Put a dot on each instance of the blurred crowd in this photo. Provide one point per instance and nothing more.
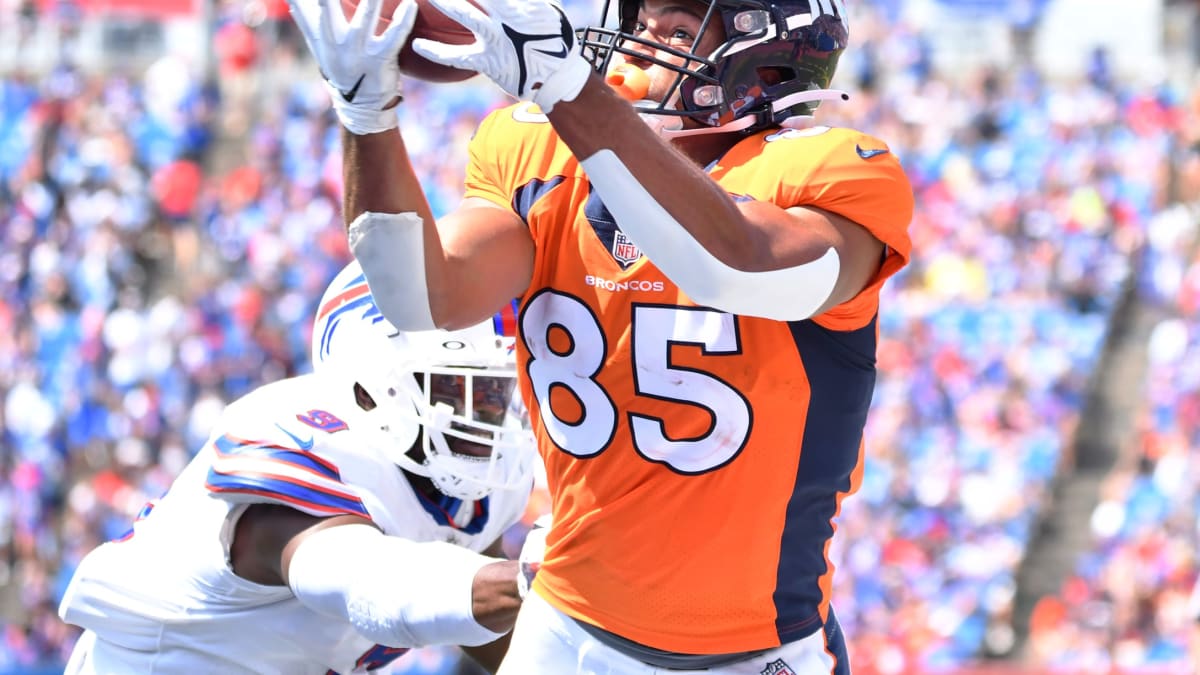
(1126, 603)
(1035, 200)
(97, 383)
(151, 274)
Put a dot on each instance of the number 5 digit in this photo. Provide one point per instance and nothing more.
(655, 329)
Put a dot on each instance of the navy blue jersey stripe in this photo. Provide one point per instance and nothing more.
(530, 193)
(840, 367)
(835, 644)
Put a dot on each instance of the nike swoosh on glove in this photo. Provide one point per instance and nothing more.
(361, 68)
(527, 47)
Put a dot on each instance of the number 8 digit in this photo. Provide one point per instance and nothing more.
(597, 421)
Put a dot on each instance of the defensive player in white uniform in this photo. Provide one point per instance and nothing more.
(293, 543)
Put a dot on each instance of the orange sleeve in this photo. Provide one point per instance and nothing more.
(485, 172)
(855, 180)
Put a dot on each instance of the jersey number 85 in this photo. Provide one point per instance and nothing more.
(655, 328)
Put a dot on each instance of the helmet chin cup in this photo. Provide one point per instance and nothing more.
(470, 477)
(452, 475)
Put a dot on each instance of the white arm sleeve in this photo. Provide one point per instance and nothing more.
(788, 294)
(395, 592)
(391, 249)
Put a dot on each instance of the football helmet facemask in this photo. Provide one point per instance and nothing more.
(773, 68)
(458, 386)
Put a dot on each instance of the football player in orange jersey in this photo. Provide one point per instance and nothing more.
(698, 275)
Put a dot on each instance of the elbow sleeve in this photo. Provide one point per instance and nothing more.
(394, 592)
(788, 294)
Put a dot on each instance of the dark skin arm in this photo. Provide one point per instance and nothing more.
(476, 258)
(267, 536)
(752, 236)
(479, 256)
(491, 654)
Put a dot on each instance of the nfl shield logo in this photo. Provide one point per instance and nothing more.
(624, 250)
(777, 667)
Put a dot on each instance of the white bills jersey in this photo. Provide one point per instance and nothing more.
(164, 598)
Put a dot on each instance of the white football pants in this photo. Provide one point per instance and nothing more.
(547, 641)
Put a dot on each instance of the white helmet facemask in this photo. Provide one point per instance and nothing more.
(475, 439)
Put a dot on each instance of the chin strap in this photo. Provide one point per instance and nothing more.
(657, 123)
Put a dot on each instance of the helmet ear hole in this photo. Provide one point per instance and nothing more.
(363, 398)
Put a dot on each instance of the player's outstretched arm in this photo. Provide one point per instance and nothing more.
(752, 258)
(363, 78)
(418, 278)
(760, 259)
(449, 273)
(453, 273)
(361, 68)
(394, 592)
(491, 654)
(532, 552)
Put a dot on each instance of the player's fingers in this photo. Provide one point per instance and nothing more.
(455, 56)
(300, 11)
(333, 21)
(306, 14)
(366, 16)
(397, 32)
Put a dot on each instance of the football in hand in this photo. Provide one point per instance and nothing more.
(430, 24)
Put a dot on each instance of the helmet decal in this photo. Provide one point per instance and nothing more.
(354, 296)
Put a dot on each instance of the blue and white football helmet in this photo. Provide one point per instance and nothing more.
(458, 386)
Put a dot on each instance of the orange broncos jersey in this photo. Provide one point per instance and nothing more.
(696, 459)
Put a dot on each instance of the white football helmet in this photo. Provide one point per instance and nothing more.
(459, 386)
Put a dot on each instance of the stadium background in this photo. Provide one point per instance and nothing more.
(169, 215)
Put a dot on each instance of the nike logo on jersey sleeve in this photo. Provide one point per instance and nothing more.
(303, 445)
(868, 154)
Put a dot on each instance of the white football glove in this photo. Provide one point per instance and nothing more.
(532, 552)
(361, 69)
(527, 47)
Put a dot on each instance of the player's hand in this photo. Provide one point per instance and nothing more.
(532, 552)
(527, 47)
(361, 68)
